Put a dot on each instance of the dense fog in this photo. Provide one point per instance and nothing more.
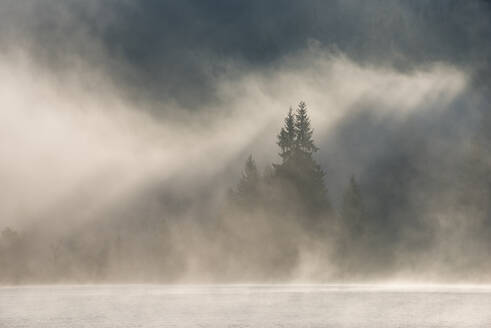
(150, 141)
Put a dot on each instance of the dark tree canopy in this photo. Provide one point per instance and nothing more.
(298, 181)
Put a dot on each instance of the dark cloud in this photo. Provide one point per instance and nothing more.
(177, 50)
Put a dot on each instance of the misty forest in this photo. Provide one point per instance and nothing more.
(245, 141)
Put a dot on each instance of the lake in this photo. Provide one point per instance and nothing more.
(236, 306)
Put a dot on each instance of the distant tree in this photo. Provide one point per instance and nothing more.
(353, 209)
(248, 187)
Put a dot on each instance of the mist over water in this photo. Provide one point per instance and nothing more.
(245, 306)
(124, 126)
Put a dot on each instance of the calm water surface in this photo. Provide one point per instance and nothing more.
(245, 306)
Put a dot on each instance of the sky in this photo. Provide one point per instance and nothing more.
(103, 101)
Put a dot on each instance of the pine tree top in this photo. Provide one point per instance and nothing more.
(304, 132)
(295, 136)
(287, 136)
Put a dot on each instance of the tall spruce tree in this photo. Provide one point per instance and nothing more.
(304, 132)
(298, 169)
